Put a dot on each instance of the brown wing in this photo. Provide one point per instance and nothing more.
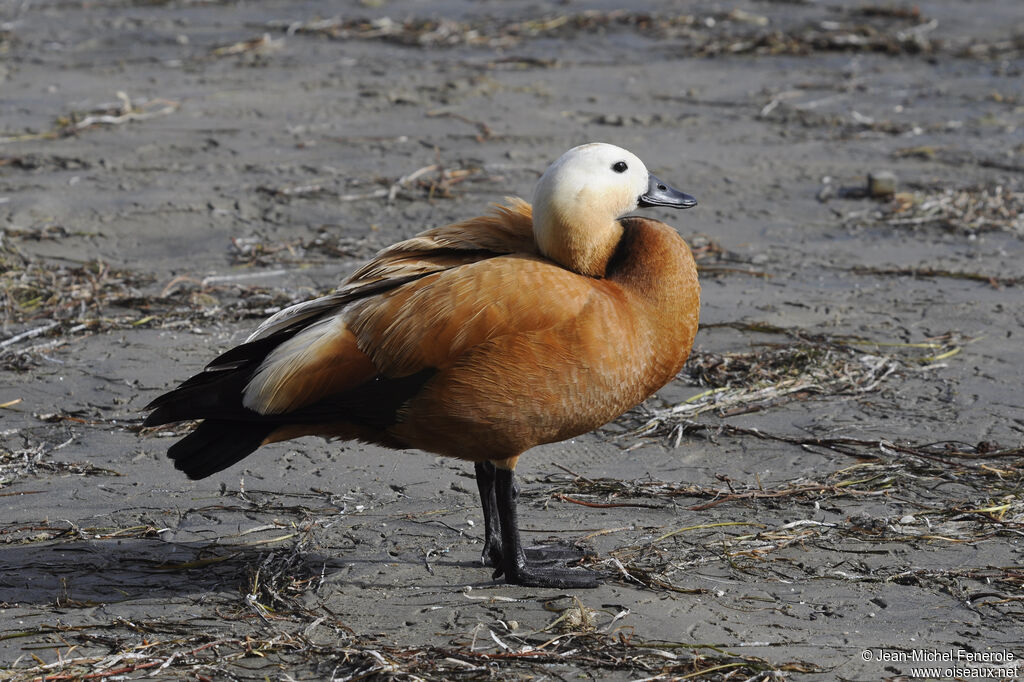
(432, 322)
(429, 323)
(508, 229)
(416, 305)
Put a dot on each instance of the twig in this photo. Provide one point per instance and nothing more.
(30, 334)
(217, 279)
(605, 505)
(571, 472)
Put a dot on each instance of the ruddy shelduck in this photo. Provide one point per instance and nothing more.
(477, 340)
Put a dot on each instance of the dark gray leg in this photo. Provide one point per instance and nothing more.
(491, 555)
(513, 560)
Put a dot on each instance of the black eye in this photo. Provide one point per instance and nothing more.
(620, 167)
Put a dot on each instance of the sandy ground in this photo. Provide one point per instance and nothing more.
(846, 499)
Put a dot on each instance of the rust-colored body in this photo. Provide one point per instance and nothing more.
(526, 351)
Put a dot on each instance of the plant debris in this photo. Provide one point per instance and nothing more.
(109, 114)
(734, 32)
(207, 656)
(811, 365)
(60, 302)
(434, 181)
(968, 211)
(35, 459)
(988, 477)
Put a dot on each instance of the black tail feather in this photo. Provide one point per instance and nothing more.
(250, 353)
(216, 392)
(230, 431)
(215, 445)
(217, 396)
(218, 387)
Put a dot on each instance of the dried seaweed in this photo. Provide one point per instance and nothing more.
(828, 36)
(989, 477)
(109, 114)
(658, 565)
(735, 32)
(492, 33)
(208, 656)
(969, 211)
(434, 181)
(842, 126)
(1000, 159)
(252, 47)
(33, 290)
(18, 463)
(255, 251)
(995, 281)
(59, 302)
(277, 621)
(811, 365)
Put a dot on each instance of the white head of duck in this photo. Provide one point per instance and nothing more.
(581, 196)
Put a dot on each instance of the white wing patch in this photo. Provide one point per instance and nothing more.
(268, 390)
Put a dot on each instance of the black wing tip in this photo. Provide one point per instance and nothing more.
(192, 474)
(157, 418)
(215, 445)
(154, 405)
(162, 411)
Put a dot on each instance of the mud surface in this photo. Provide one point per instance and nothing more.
(837, 471)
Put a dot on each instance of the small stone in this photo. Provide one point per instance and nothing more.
(611, 120)
(881, 184)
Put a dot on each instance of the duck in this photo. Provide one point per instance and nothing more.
(478, 340)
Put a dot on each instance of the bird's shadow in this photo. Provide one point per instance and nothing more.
(85, 572)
